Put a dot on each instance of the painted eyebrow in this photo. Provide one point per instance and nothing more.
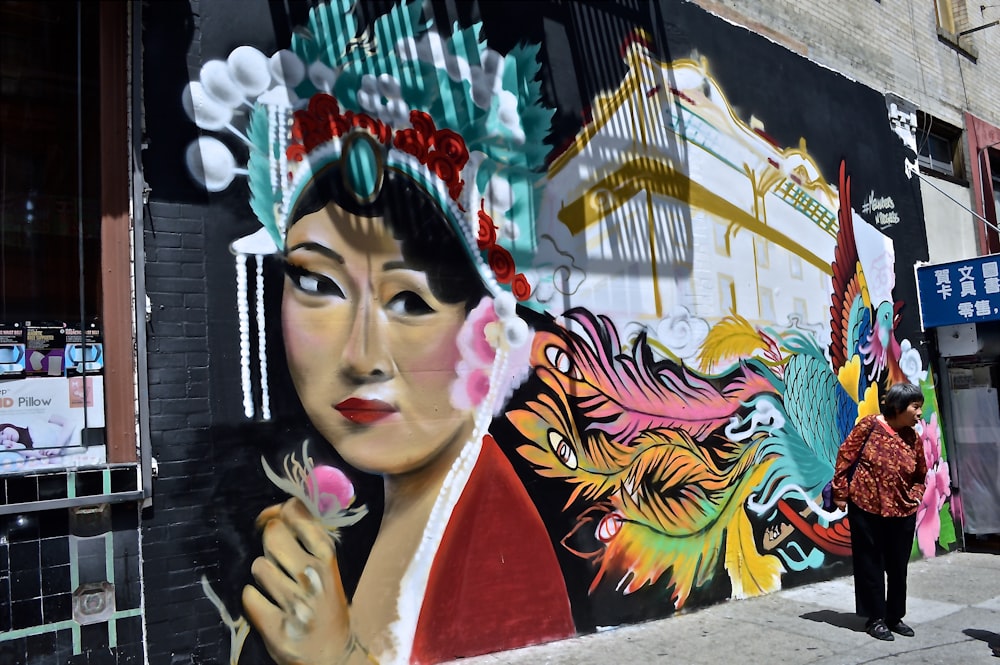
(396, 265)
(318, 248)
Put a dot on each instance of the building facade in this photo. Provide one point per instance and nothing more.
(334, 330)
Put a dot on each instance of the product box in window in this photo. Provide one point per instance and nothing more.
(51, 422)
(45, 347)
(84, 351)
(12, 360)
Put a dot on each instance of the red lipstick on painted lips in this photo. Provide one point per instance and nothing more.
(364, 411)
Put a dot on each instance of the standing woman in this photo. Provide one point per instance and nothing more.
(882, 497)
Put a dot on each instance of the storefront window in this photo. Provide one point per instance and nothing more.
(53, 161)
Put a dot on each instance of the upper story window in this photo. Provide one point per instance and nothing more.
(954, 26)
(939, 147)
(945, 16)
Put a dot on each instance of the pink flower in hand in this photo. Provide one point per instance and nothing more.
(330, 488)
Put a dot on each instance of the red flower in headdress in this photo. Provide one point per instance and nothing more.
(412, 142)
(520, 287)
(451, 145)
(423, 124)
(486, 236)
(501, 263)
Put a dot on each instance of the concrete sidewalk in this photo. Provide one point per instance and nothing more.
(953, 605)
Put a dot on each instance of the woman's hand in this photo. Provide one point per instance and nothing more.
(842, 505)
(304, 617)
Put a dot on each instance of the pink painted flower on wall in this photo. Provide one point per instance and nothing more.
(477, 356)
(937, 491)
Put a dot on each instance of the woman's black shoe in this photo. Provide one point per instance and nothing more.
(902, 629)
(880, 631)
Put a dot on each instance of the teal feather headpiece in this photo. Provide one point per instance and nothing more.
(400, 81)
(464, 122)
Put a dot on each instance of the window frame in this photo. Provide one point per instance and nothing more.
(931, 129)
(126, 474)
(116, 237)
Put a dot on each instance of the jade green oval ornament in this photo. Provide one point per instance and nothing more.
(362, 167)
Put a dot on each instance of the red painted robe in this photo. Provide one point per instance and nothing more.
(495, 583)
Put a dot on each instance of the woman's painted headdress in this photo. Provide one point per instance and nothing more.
(461, 120)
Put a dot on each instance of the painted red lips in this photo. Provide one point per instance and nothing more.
(365, 411)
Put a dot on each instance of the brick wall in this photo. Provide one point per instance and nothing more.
(179, 414)
(889, 45)
(175, 542)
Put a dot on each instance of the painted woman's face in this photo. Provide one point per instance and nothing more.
(372, 352)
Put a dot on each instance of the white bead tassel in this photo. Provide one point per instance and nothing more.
(265, 394)
(278, 129)
(243, 309)
(282, 122)
(272, 132)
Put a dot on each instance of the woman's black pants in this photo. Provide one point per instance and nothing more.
(880, 547)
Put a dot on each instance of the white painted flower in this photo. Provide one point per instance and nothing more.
(250, 70)
(322, 77)
(382, 98)
(910, 363)
(682, 333)
(508, 116)
(287, 68)
(499, 193)
(505, 306)
(218, 82)
(516, 331)
(509, 230)
(211, 163)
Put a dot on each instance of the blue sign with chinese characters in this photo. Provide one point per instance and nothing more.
(959, 292)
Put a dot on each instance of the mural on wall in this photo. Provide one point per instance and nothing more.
(669, 326)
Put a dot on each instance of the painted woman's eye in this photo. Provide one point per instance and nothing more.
(408, 302)
(312, 283)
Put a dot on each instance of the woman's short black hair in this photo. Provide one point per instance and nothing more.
(429, 242)
(899, 397)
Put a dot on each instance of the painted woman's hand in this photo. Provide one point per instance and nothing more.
(304, 616)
